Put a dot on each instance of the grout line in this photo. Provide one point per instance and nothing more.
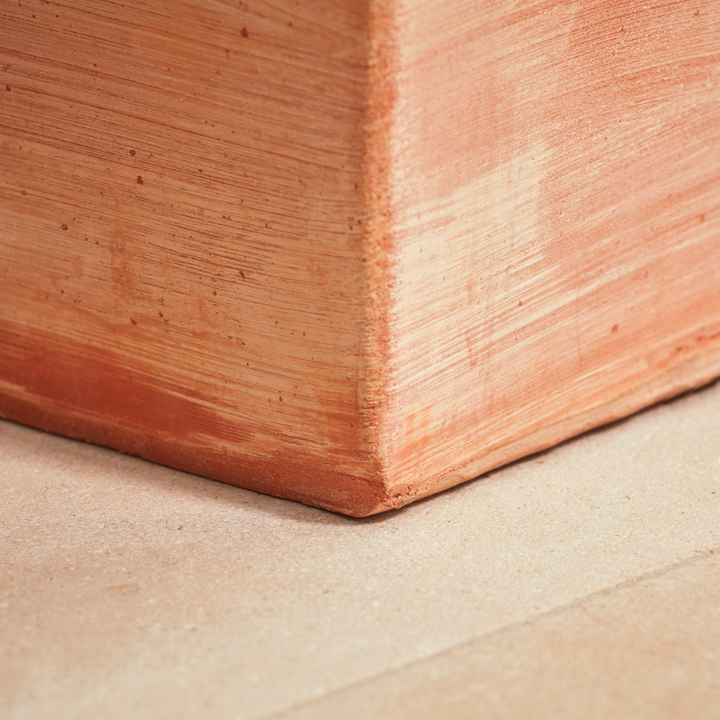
(619, 587)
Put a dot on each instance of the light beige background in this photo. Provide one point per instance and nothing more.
(580, 583)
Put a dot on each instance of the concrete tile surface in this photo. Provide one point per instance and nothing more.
(132, 590)
(649, 648)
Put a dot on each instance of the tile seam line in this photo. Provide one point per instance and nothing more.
(578, 602)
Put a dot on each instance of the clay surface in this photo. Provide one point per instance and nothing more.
(353, 253)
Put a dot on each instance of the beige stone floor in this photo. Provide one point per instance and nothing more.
(580, 583)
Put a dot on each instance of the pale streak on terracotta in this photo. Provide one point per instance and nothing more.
(353, 253)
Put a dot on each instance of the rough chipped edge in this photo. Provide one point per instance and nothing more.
(379, 240)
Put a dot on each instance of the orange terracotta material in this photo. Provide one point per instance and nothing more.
(354, 252)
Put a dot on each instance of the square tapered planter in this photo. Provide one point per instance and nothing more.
(353, 252)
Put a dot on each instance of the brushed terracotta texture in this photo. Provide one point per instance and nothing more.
(355, 252)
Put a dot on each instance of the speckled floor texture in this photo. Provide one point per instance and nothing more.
(580, 583)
